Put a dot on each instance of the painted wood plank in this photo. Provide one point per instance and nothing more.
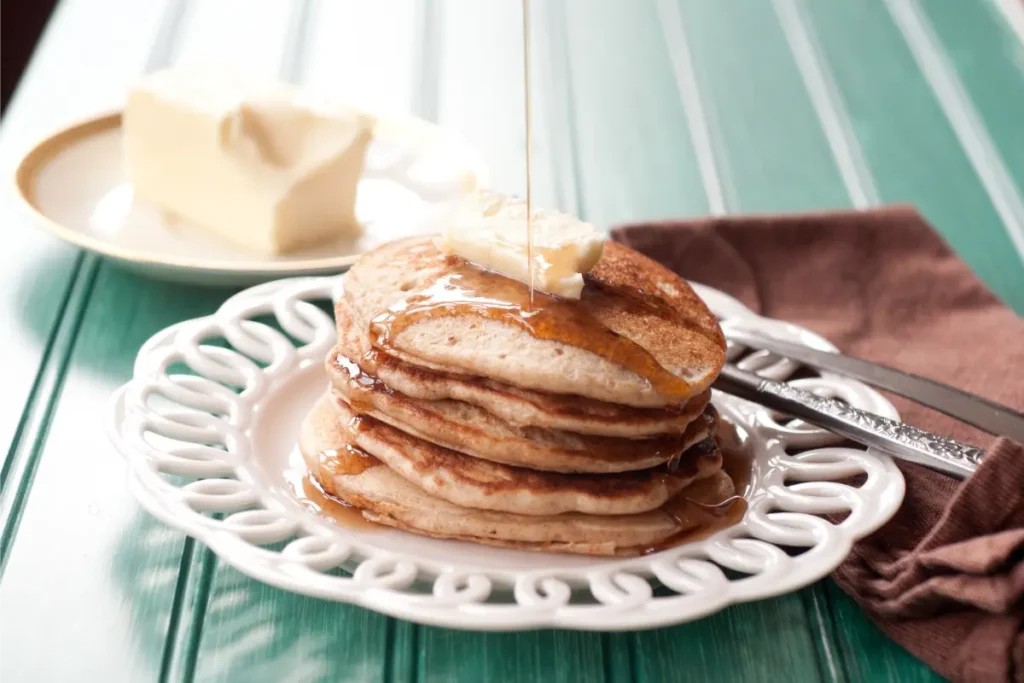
(933, 60)
(989, 60)
(480, 96)
(867, 653)
(37, 274)
(734, 54)
(113, 605)
(226, 626)
(732, 646)
(556, 656)
(88, 569)
(1012, 13)
(634, 158)
(771, 145)
(908, 144)
(64, 81)
(253, 632)
(363, 52)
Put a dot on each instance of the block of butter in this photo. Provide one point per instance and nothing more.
(261, 164)
(489, 230)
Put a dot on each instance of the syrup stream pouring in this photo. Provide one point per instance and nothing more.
(529, 144)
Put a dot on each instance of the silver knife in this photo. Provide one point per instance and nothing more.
(975, 410)
(891, 436)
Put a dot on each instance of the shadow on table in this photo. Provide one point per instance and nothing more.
(122, 310)
(246, 631)
(243, 628)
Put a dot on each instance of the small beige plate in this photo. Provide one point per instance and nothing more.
(75, 185)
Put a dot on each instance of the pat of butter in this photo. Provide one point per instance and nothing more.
(489, 230)
(260, 164)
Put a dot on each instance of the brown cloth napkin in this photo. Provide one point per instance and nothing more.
(945, 577)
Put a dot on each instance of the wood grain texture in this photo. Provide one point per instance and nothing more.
(88, 570)
(729, 55)
(773, 153)
(989, 60)
(868, 654)
(908, 143)
(62, 83)
(480, 95)
(44, 291)
(557, 656)
(228, 626)
(733, 645)
(633, 156)
(248, 631)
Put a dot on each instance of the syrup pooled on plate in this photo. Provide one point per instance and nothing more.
(712, 517)
(346, 459)
(308, 492)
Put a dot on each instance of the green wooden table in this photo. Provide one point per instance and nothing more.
(644, 109)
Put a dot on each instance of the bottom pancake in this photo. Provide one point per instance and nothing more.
(386, 498)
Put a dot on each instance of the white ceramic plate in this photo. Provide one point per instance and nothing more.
(74, 184)
(197, 446)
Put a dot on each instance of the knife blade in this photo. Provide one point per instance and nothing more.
(975, 410)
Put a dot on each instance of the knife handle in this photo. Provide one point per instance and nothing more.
(891, 436)
(975, 410)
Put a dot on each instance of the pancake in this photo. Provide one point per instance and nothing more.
(639, 336)
(517, 406)
(383, 496)
(475, 483)
(465, 427)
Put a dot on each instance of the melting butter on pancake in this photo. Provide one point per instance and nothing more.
(644, 314)
(387, 498)
(517, 406)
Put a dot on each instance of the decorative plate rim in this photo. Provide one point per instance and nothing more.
(621, 596)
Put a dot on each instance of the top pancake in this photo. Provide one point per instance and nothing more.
(626, 293)
(514, 405)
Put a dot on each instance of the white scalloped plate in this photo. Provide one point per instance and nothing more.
(208, 449)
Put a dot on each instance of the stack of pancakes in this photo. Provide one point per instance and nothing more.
(458, 408)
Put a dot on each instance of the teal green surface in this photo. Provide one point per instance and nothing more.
(908, 142)
(124, 598)
(633, 156)
(771, 149)
(989, 58)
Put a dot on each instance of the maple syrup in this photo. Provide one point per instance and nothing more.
(346, 459)
(361, 388)
(713, 517)
(529, 145)
(466, 290)
(666, 448)
(307, 490)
